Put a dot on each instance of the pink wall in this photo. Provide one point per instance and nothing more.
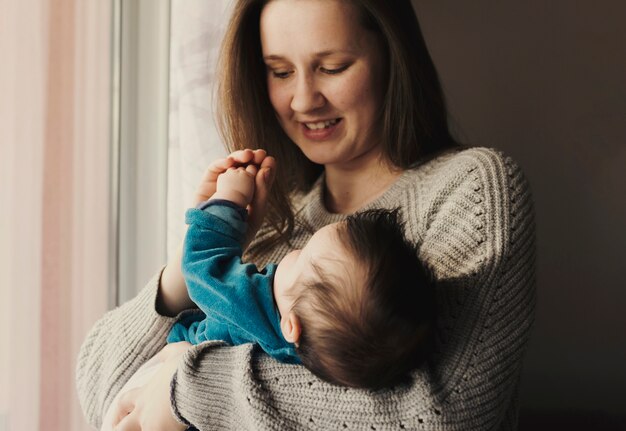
(56, 376)
(54, 195)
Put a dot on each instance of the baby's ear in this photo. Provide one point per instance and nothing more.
(290, 326)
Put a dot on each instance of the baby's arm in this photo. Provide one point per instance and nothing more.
(173, 297)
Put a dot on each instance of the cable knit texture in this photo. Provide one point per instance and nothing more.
(471, 214)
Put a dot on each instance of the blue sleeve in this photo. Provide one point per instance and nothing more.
(236, 297)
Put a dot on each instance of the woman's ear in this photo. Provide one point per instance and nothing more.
(290, 327)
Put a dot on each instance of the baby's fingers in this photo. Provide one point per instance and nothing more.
(252, 169)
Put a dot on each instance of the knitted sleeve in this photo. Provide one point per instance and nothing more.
(472, 215)
(118, 344)
(480, 242)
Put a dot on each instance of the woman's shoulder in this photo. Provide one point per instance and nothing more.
(460, 162)
(467, 193)
(464, 174)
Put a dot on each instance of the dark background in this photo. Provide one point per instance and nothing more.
(545, 81)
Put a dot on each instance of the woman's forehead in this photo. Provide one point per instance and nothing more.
(314, 26)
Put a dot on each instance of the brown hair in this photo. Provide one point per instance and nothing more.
(372, 334)
(413, 115)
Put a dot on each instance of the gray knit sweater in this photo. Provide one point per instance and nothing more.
(471, 214)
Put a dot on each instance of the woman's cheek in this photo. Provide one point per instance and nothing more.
(278, 97)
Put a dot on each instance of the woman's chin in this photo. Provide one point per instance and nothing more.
(322, 153)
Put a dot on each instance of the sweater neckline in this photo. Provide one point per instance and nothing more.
(316, 213)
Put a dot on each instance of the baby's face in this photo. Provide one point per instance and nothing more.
(323, 249)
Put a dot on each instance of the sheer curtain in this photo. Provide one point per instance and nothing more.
(197, 27)
(54, 194)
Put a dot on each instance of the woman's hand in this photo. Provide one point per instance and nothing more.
(241, 158)
(263, 184)
(265, 176)
(148, 408)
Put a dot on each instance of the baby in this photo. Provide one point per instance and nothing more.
(355, 305)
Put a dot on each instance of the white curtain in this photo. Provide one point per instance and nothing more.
(197, 27)
(54, 193)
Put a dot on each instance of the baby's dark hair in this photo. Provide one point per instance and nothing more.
(371, 335)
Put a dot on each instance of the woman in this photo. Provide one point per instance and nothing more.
(345, 96)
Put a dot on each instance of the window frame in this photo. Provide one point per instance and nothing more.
(139, 144)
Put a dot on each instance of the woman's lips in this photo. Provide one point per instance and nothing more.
(320, 134)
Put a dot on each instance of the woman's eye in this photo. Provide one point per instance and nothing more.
(280, 75)
(334, 71)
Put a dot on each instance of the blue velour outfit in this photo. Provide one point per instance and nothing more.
(235, 298)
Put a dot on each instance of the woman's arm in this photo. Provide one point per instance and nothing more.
(172, 297)
(118, 344)
(481, 241)
(124, 338)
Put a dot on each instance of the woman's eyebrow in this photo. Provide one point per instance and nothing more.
(320, 54)
(331, 52)
(273, 57)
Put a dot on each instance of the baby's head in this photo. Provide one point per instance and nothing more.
(357, 302)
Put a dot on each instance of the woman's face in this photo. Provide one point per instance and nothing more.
(325, 75)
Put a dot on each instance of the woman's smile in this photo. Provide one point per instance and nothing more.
(321, 130)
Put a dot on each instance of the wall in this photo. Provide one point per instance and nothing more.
(545, 81)
(54, 193)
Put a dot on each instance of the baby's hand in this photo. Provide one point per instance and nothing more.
(208, 184)
(237, 185)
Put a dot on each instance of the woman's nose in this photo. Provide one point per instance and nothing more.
(307, 97)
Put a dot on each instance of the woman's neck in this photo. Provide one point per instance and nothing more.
(348, 190)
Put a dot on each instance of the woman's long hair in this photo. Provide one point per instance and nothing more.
(413, 116)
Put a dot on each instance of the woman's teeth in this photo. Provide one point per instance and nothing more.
(321, 124)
